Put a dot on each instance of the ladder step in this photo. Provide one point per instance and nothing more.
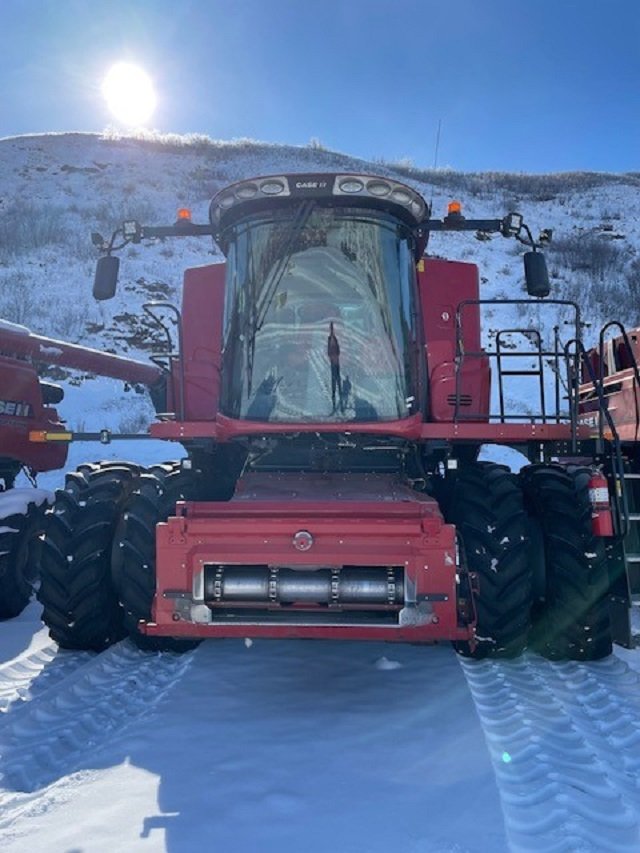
(631, 476)
(632, 558)
(634, 516)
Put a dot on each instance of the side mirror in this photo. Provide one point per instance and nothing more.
(536, 275)
(106, 280)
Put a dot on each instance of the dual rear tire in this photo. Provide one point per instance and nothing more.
(486, 504)
(22, 514)
(496, 512)
(573, 623)
(92, 590)
(80, 603)
(133, 556)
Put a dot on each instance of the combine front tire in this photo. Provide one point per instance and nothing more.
(486, 505)
(81, 607)
(574, 623)
(21, 522)
(152, 500)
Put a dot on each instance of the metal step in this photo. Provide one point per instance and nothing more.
(634, 516)
(631, 476)
(632, 558)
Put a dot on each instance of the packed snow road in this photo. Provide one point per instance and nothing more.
(274, 746)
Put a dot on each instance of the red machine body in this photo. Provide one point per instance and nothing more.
(457, 385)
(369, 522)
(332, 390)
(610, 407)
(614, 364)
(21, 410)
(364, 522)
(366, 541)
(28, 403)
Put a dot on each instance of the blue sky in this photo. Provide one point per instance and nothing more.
(538, 86)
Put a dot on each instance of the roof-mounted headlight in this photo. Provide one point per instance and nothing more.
(402, 196)
(226, 200)
(351, 185)
(245, 191)
(380, 189)
(357, 190)
(272, 187)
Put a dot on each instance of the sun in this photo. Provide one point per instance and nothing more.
(129, 93)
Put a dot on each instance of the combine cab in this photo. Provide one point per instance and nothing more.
(332, 393)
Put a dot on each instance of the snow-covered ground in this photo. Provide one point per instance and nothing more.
(332, 746)
(282, 746)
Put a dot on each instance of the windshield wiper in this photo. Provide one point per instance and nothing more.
(259, 312)
(303, 212)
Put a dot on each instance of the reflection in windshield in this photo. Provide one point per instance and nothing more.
(319, 327)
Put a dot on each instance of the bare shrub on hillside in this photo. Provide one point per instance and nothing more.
(598, 257)
(71, 324)
(113, 211)
(629, 297)
(614, 300)
(134, 422)
(236, 150)
(316, 145)
(29, 226)
(609, 289)
(177, 143)
(19, 301)
(519, 186)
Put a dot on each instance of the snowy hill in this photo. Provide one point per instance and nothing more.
(58, 189)
(55, 190)
(281, 745)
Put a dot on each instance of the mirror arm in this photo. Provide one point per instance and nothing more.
(111, 246)
(528, 241)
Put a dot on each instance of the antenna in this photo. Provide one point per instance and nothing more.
(437, 148)
(435, 160)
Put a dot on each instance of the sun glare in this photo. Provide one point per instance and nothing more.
(129, 94)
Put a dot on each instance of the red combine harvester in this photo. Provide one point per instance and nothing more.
(27, 411)
(610, 406)
(332, 393)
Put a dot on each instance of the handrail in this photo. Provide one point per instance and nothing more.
(634, 365)
(538, 354)
(147, 307)
(621, 510)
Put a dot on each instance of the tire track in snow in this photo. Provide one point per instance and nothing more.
(57, 732)
(29, 675)
(604, 701)
(564, 739)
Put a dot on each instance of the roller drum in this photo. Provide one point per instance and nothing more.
(260, 584)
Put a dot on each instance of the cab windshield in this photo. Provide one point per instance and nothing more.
(319, 317)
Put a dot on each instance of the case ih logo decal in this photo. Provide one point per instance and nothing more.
(18, 410)
(311, 185)
(588, 420)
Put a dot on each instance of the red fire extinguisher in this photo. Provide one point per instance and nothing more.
(601, 517)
